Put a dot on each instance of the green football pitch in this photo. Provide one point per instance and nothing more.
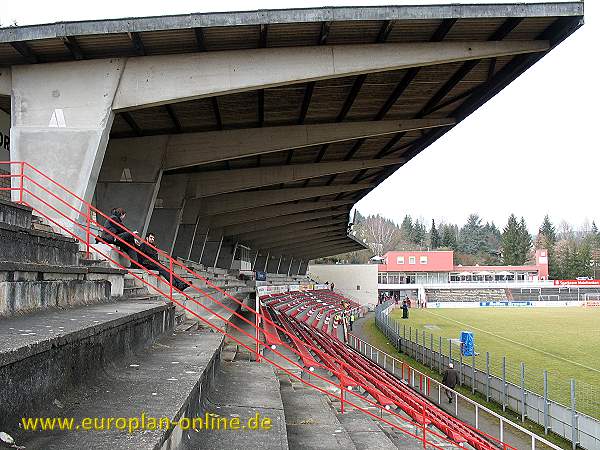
(563, 341)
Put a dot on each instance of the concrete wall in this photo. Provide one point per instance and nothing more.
(357, 281)
(4, 137)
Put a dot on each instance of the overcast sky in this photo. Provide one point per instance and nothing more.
(531, 150)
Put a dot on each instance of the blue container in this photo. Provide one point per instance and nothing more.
(467, 343)
(261, 276)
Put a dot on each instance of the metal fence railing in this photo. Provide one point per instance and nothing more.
(530, 394)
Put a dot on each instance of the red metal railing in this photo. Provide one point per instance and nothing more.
(40, 196)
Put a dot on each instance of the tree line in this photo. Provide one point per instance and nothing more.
(571, 253)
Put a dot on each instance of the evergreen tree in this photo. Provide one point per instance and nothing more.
(472, 236)
(510, 241)
(547, 240)
(548, 230)
(419, 233)
(407, 229)
(434, 236)
(525, 242)
(449, 237)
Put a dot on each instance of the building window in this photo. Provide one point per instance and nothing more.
(412, 260)
(400, 260)
(423, 259)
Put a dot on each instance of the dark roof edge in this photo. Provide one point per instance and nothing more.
(300, 15)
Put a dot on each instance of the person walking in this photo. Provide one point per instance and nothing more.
(450, 380)
(351, 320)
(404, 309)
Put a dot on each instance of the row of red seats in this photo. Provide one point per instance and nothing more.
(353, 370)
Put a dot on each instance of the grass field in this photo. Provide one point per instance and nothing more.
(564, 341)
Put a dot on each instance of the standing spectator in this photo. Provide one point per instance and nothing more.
(351, 320)
(332, 285)
(450, 380)
(405, 309)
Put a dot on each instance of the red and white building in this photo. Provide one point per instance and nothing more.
(437, 267)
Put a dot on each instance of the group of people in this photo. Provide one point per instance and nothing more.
(114, 232)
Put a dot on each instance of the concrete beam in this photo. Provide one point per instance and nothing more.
(331, 252)
(305, 245)
(157, 80)
(292, 241)
(5, 81)
(224, 181)
(292, 228)
(269, 212)
(191, 149)
(261, 225)
(283, 16)
(239, 201)
(328, 250)
(273, 238)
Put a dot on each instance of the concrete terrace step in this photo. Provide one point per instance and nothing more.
(16, 215)
(243, 389)
(45, 354)
(366, 433)
(163, 381)
(25, 287)
(310, 421)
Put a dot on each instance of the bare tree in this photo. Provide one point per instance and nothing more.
(381, 234)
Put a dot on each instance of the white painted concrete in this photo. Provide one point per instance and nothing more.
(156, 80)
(61, 119)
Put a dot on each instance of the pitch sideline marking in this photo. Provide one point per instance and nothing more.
(518, 343)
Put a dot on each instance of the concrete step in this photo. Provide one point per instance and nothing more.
(243, 389)
(310, 421)
(215, 309)
(135, 291)
(46, 354)
(366, 433)
(163, 381)
(15, 215)
(26, 287)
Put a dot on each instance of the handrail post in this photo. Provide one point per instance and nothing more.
(87, 232)
(424, 410)
(171, 277)
(257, 320)
(22, 176)
(342, 397)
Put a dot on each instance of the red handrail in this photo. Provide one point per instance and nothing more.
(172, 275)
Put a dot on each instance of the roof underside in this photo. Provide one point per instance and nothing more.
(443, 91)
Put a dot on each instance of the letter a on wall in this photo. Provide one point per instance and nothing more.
(57, 120)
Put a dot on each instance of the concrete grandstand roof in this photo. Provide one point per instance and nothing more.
(444, 92)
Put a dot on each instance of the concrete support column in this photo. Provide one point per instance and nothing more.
(226, 254)
(131, 177)
(255, 259)
(184, 241)
(303, 267)
(290, 266)
(61, 120)
(295, 267)
(164, 224)
(200, 240)
(211, 248)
